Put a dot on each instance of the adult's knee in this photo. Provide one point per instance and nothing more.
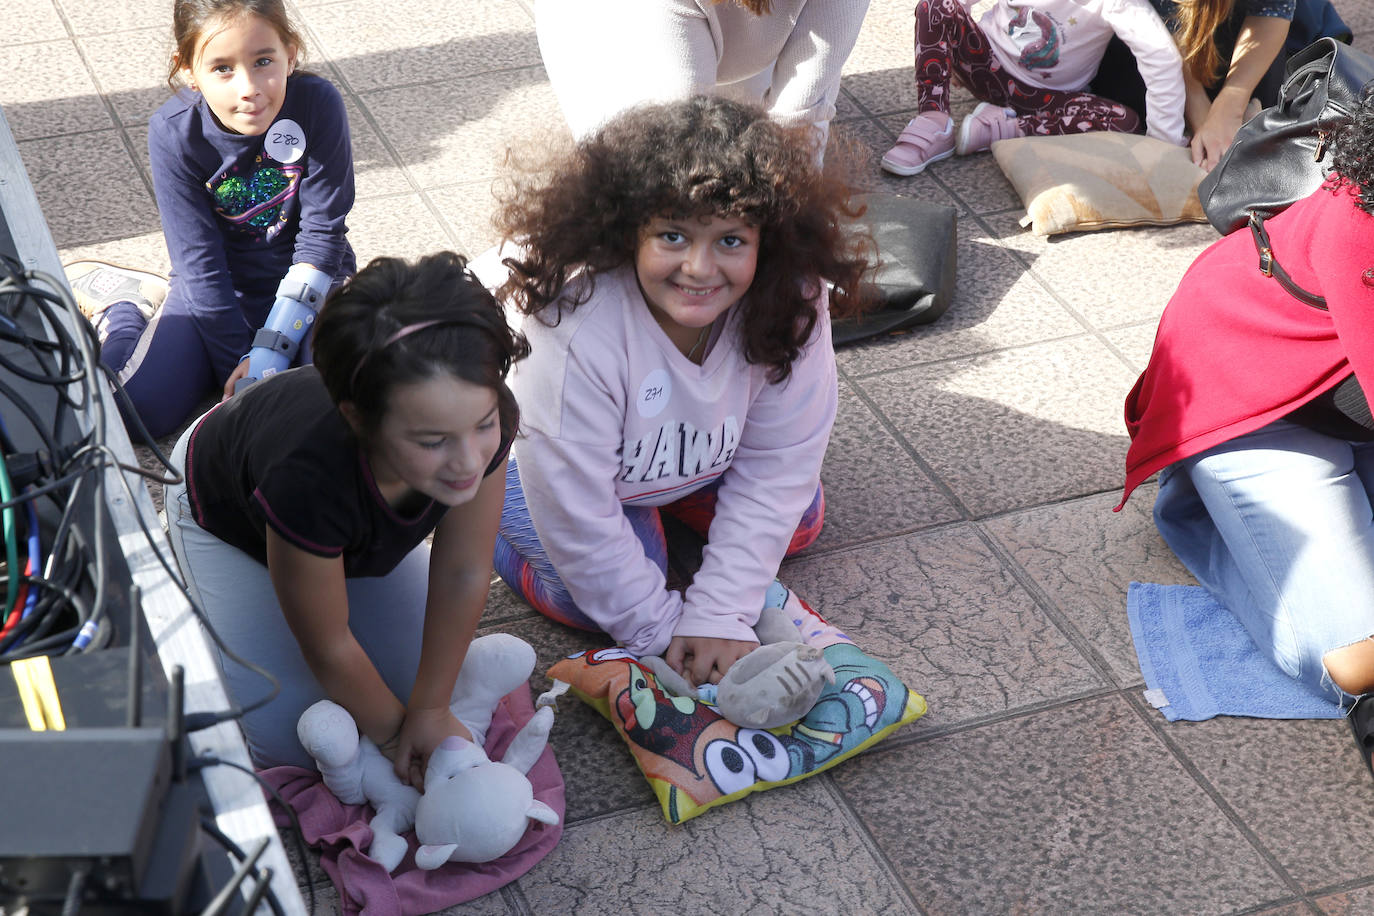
(1351, 668)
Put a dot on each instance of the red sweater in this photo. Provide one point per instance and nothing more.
(1235, 351)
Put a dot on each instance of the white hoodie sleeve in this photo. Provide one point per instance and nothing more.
(806, 77)
(1161, 66)
(770, 482)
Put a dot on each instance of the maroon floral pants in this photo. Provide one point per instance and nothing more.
(949, 41)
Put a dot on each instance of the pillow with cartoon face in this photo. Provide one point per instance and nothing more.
(694, 759)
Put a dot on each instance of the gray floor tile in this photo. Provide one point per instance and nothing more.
(90, 18)
(1300, 785)
(468, 124)
(1134, 343)
(872, 486)
(1083, 556)
(788, 850)
(489, 905)
(142, 252)
(131, 68)
(1016, 428)
(468, 209)
(1073, 810)
(88, 188)
(31, 20)
(943, 612)
(363, 40)
(1088, 269)
(1358, 902)
(400, 226)
(376, 171)
(46, 91)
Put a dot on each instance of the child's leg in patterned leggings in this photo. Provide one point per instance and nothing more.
(696, 509)
(1047, 112)
(521, 561)
(948, 39)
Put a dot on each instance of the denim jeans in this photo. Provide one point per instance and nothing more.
(386, 616)
(1277, 525)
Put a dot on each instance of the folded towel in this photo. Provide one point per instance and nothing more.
(1199, 661)
(341, 833)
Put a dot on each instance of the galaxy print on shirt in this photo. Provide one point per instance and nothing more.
(254, 204)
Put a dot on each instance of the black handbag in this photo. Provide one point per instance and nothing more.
(1279, 155)
(914, 283)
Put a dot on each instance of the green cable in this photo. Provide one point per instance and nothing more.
(11, 544)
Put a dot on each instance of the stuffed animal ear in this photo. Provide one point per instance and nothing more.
(538, 811)
(429, 858)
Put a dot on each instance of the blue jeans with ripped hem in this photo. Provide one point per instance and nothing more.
(1277, 524)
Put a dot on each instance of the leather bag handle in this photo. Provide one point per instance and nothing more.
(1270, 266)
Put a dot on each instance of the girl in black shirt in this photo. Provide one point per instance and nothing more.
(309, 496)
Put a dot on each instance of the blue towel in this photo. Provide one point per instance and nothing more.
(1199, 662)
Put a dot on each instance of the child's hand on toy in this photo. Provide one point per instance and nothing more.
(422, 731)
(705, 659)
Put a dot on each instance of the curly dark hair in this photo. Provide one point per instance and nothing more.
(463, 331)
(1352, 151)
(699, 157)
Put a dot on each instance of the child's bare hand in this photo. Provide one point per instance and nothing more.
(239, 372)
(705, 659)
(423, 731)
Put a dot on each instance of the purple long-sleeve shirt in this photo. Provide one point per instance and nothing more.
(237, 211)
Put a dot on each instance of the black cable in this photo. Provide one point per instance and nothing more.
(297, 835)
(263, 876)
(198, 721)
(71, 905)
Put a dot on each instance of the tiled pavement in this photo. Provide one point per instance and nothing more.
(970, 543)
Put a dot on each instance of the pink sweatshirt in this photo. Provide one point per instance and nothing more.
(1059, 44)
(613, 415)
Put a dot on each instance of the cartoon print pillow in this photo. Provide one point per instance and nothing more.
(694, 759)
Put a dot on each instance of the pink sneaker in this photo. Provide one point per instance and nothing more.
(987, 124)
(929, 137)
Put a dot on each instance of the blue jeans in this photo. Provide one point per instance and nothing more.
(387, 616)
(1277, 524)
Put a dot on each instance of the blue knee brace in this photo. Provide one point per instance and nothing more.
(299, 296)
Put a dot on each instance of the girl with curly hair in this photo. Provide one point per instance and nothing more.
(671, 273)
(1252, 408)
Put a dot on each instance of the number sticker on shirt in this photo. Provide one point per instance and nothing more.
(654, 393)
(285, 141)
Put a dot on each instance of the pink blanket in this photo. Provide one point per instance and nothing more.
(341, 833)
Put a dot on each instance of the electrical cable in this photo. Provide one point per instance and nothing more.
(7, 518)
(297, 835)
(59, 617)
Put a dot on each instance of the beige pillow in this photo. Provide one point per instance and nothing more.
(1100, 180)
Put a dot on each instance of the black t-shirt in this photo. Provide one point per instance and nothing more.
(281, 454)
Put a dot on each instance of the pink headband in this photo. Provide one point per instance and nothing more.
(403, 332)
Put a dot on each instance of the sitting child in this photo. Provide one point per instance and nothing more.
(1028, 62)
(672, 271)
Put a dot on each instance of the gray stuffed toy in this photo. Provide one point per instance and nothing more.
(775, 684)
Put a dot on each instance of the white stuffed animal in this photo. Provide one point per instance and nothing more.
(472, 809)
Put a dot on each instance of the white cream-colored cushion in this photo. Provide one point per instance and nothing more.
(1100, 180)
